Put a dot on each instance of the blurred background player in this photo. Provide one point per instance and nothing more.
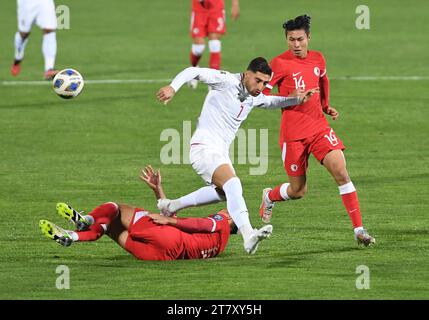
(304, 128)
(146, 235)
(41, 12)
(231, 98)
(208, 20)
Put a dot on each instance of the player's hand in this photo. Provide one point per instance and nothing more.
(151, 178)
(331, 112)
(305, 96)
(159, 219)
(165, 94)
(235, 12)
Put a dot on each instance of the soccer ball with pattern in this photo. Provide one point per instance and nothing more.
(68, 83)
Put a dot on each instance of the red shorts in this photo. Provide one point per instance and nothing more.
(150, 241)
(205, 22)
(295, 153)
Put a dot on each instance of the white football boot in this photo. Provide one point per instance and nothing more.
(251, 244)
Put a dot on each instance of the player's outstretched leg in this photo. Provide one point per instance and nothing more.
(56, 233)
(49, 49)
(202, 196)
(251, 244)
(67, 212)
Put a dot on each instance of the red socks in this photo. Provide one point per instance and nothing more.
(279, 193)
(102, 215)
(351, 203)
(94, 233)
(194, 59)
(348, 194)
(214, 62)
(105, 213)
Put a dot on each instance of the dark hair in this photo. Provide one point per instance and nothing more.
(260, 64)
(300, 22)
(234, 229)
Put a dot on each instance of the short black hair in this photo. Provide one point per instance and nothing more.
(300, 22)
(260, 64)
(234, 229)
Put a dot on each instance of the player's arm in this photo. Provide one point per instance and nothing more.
(324, 96)
(208, 76)
(276, 102)
(153, 180)
(189, 225)
(235, 9)
(276, 78)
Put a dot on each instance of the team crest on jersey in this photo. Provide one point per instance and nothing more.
(217, 217)
(317, 71)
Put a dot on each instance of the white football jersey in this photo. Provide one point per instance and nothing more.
(226, 106)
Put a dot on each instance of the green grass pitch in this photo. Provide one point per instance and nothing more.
(89, 150)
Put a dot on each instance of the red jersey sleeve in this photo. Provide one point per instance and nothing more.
(196, 225)
(278, 75)
(324, 85)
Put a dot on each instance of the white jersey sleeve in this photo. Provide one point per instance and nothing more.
(275, 102)
(216, 79)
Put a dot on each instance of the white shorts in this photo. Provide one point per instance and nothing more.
(206, 159)
(41, 12)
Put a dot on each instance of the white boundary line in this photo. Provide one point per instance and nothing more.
(131, 81)
(106, 81)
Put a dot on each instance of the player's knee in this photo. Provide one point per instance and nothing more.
(341, 175)
(342, 178)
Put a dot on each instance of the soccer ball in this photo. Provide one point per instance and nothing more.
(68, 83)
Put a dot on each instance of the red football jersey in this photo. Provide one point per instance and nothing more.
(211, 5)
(207, 245)
(290, 73)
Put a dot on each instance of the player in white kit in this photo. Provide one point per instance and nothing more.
(227, 105)
(41, 12)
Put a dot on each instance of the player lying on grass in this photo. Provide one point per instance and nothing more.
(230, 100)
(147, 235)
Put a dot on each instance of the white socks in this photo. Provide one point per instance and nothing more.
(215, 46)
(283, 191)
(73, 235)
(198, 49)
(90, 219)
(237, 207)
(358, 230)
(20, 46)
(201, 196)
(49, 49)
(347, 188)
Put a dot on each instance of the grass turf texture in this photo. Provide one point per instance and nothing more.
(89, 150)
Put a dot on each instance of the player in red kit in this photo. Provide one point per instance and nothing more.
(208, 21)
(304, 128)
(146, 235)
